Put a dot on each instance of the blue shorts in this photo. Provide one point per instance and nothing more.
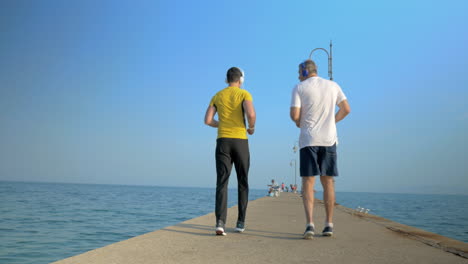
(318, 160)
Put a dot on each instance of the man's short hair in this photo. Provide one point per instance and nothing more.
(310, 66)
(234, 74)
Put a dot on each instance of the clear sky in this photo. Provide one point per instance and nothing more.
(115, 92)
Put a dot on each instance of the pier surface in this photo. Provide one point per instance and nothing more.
(273, 234)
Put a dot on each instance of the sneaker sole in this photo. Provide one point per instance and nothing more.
(239, 230)
(327, 234)
(309, 235)
(220, 233)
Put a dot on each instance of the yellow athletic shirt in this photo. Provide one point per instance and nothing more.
(228, 103)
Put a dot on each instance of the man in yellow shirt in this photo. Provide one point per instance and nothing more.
(232, 104)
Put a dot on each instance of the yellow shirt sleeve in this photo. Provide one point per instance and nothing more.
(212, 102)
(248, 96)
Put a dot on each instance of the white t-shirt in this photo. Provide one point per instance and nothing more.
(317, 99)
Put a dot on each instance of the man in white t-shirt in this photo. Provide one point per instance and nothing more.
(313, 109)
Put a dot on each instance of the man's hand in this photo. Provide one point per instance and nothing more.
(250, 131)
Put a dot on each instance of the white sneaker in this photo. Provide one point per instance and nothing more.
(240, 227)
(220, 231)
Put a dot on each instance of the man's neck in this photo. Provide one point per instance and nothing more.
(310, 76)
(235, 84)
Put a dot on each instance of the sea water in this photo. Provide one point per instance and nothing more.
(446, 215)
(45, 222)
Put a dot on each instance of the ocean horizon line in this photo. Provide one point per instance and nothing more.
(214, 187)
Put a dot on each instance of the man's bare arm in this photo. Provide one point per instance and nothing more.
(209, 117)
(295, 114)
(343, 112)
(251, 115)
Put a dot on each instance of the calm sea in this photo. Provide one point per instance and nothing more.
(45, 222)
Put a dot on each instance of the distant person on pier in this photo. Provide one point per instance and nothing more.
(313, 110)
(232, 104)
(273, 189)
(272, 186)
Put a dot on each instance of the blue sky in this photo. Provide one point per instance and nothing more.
(115, 91)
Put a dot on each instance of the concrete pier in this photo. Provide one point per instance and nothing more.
(273, 234)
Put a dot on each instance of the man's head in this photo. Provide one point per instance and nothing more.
(235, 75)
(307, 69)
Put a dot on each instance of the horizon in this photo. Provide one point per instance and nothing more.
(230, 188)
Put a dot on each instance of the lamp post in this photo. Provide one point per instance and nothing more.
(295, 169)
(295, 148)
(330, 72)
